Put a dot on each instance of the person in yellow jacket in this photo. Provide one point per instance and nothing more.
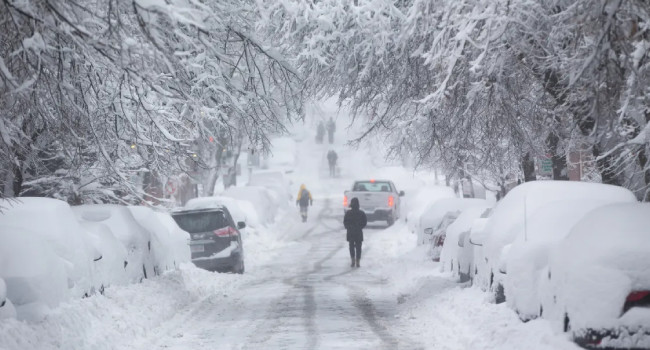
(304, 201)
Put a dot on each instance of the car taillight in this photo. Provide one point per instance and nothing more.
(391, 201)
(345, 201)
(636, 299)
(226, 232)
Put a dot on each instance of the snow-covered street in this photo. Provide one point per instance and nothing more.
(298, 292)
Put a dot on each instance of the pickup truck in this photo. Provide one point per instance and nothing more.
(379, 199)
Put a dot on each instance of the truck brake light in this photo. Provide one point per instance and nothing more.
(391, 201)
(345, 201)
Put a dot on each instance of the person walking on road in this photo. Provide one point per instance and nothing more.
(331, 127)
(331, 159)
(320, 132)
(354, 221)
(304, 200)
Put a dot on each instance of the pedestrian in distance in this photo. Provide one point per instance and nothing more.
(354, 221)
(332, 157)
(304, 200)
(320, 132)
(331, 127)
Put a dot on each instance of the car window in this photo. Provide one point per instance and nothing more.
(372, 186)
(201, 222)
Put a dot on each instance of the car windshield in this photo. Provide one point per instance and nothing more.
(372, 186)
(201, 222)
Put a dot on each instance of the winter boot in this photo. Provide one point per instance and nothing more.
(352, 264)
(358, 260)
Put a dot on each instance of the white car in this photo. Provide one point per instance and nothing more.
(457, 252)
(275, 181)
(528, 255)
(511, 214)
(597, 285)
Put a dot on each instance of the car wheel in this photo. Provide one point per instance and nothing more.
(241, 268)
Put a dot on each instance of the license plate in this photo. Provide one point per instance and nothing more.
(197, 248)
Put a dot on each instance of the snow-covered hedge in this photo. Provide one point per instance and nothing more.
(50, 252)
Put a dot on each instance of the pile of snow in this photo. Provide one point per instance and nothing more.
(604, 258)
(516, 208)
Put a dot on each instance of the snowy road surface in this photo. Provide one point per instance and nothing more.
(306, 298)
(299, 291)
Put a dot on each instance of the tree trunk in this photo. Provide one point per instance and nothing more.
(604, 164)
(560, 169)
(643, 163)
(528, 166)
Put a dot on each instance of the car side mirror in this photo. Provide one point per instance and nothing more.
(241, 225)
(462, 238)
(401, 193)
(428, 231)
(476, 239)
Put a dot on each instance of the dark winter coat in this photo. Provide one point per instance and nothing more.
(354, 221)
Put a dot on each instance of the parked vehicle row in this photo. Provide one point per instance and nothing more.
(577, 254)
(51, 251)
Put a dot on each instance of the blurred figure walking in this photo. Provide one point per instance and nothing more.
(354, 221)
(331, 127)
(304, 200)
(320, 132)
(332, 157)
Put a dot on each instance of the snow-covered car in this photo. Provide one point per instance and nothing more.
(528, 254)
(56, 224)
(457, 253)
(135, 238)
(420, 201)
(165, 239)
(440, 214)
(263, 200)
(511, 214)
(379, 199)
(241, 210)
(275, 181)
(108, 268)
(7, 309)
(597, 285)
(36, 278)
(215, 243)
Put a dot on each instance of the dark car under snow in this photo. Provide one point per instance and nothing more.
(215, 242)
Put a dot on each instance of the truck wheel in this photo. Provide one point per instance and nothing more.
(390, 221)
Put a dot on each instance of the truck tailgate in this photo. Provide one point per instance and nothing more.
(369, 201)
